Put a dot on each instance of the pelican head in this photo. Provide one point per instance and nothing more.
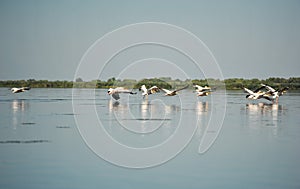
(110, 91)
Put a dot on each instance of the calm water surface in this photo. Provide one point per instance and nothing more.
(40, 146)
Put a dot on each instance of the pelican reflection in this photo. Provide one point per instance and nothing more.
(18, 108)
(202, 109)
(147, 114)
(263, 114)
(113, 105)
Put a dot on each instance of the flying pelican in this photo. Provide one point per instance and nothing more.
(115, 92)
(19, 90)
(149, 91)
(202, 91)
(254, 95)
(200, 88)
(272, 94)
(173, 93)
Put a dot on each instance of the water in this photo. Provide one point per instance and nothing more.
(41, 147)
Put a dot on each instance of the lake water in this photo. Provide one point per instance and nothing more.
(44, 144)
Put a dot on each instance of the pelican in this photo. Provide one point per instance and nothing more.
(115, 92)
(272, 94)
(200, 88)
(202, 91)
(149, 91)
(19, 90)
(254, 95)
(173, 93)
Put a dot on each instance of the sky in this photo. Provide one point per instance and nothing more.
(249, 39)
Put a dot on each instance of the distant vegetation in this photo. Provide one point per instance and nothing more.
(164, 82)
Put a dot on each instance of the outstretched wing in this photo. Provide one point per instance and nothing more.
(153, 90)
(144, 89)
(122, 90)
(182, 88)
(267, 97)
(269, 88)
(26, 88)
(260, 88)
(283, 90)
(166, 90)
(248, 91)
(197, 87)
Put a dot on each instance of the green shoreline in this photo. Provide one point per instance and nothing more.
(165, 82)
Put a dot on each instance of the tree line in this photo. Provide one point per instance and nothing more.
(164, 82)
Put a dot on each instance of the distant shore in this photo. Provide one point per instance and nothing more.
(165, 82)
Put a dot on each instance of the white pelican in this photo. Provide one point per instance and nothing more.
(115, 92)
(254, 95)
(200, 88)
(173, 93)
(19, 90)
(202, 91)
(149, 91)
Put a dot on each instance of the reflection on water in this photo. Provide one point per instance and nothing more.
(148, 121)
(18, 105)
(18, 108)
(201, 108)
(144, 108)
(258, 144)
(144, 111)
(112, 105)
(263, 114)
(202, 111)
(149, 116)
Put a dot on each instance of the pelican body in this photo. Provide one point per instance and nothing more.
(19, 90)
(149, 91)
(115, 92)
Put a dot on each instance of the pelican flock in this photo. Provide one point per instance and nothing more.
(262, 92)
(269, 93)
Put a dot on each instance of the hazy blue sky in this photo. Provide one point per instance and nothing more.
(46, 39)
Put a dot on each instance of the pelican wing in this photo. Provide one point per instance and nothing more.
(256, 90)
(283, 90)
(202, 93)
(26, 88)
(122, 90)
(269, 88)
(208, 89)
(267, 97)
(144, 89)
(182, 88)
(197, 87)
(153, 90)
(248, 91)
(166, 91)
(200, 88)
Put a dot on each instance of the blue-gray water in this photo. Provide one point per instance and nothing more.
(40, 146)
